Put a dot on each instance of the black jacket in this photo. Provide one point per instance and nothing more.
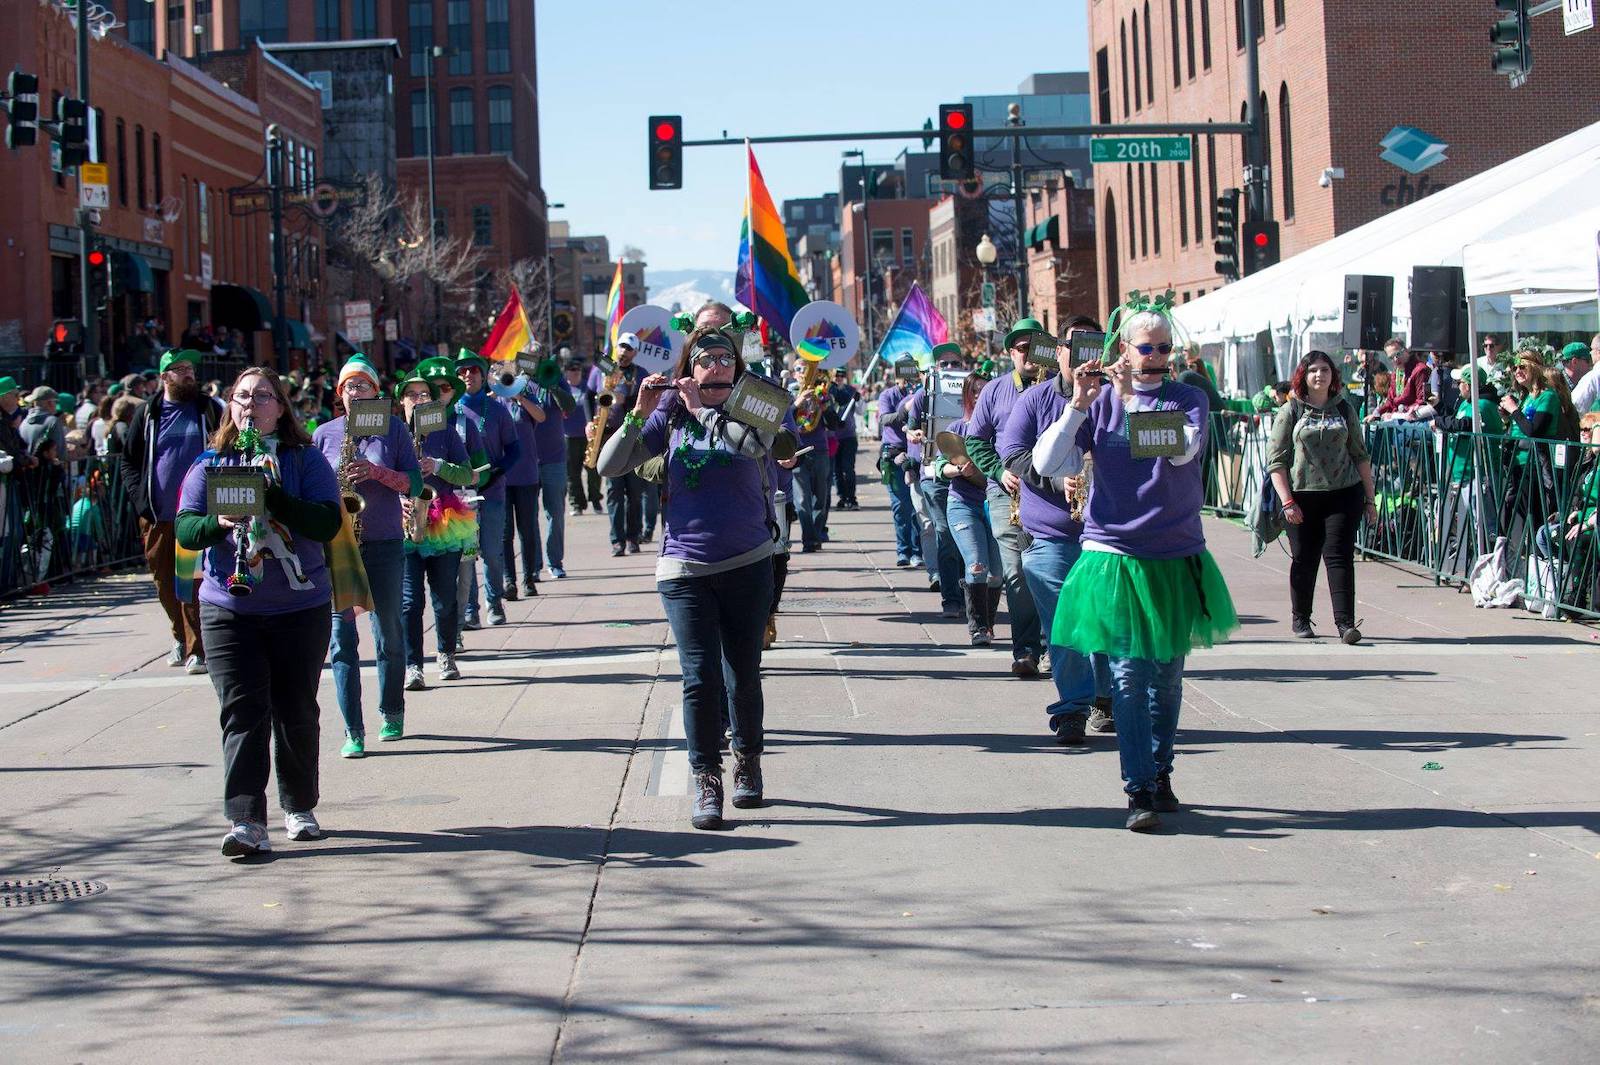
(138, 457)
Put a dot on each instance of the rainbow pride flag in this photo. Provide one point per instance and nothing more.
(510, 334)
(767, 281)
(917, 328)
(614, 309)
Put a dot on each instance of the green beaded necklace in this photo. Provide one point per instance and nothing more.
(694, 460)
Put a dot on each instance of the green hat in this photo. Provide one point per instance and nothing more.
(66, 401)
(1575, 350)
(8, 385)
(359, 364)
(114, 390)
(416, 376)
(441, 371)
(1025, 327)
(465, 358)
(948, 350)
(188, 355)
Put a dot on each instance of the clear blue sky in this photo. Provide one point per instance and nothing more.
(758, 68)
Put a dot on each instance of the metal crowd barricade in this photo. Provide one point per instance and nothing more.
(65, 521)
(1235, 462)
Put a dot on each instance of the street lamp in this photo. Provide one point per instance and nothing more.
(987, 253)
(866, 243)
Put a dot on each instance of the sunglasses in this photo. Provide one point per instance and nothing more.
(705, 360)
(1164, 348)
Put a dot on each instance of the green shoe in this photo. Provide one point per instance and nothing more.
(392, 730)
(354, 747)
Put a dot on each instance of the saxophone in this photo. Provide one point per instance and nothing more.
(416, 507)
(603, 403)
(1077, 489)
(349, 498)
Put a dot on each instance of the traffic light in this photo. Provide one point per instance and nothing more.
(1226, 232)
(1512, 54)
(22, 104)
(1260, 246)
(66, 335)
(73, 116)
(955, 142)
(99, 266)
(666, 151)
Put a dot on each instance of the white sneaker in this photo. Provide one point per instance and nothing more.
(246, 838)
(302, 826)
(175, 656)
(195, 666)
(447, 668)
(414, 680)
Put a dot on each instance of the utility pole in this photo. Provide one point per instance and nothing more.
(1257, 185)
(280, 323)
(866, 244)
(89, 316)
(1014, 118)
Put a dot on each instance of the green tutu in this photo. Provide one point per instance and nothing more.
(1143, 608)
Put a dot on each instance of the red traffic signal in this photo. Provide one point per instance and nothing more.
(97, 258)
(955, 119)
(1261, 246)
(666, 151)
(665, 131)
(955, 142)
(1262, 240)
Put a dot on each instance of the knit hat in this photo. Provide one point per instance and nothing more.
(360, 366)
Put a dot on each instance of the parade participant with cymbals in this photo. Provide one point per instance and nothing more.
(1145, 591)
(381, 468)
(944, 560)
(715, 570)
(966, 514)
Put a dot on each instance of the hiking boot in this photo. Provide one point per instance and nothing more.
(1302, 629)
(1069, 730)
(1350, 634)
(414, 679)
(1142, 812)
(1025, 668)
(175, 656)
(447, 668)
(354, 747)
(1100, 719)
(1165, 799)
(707, 801)
(302, 826)
(246, 838)
(746, 780)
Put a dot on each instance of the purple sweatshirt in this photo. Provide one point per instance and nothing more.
(496, 433)
(960, 486)
(524, 471)
(994, 405)
(381, 519)
(549, 434)
(1044, 514)
(725, 514)
(888, 400)
(444, 445)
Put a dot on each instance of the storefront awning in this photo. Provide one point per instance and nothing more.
(240, 307)
(133, 272)
(299, 334)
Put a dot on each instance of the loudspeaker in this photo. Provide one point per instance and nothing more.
(1439, 309)
(1368, 311)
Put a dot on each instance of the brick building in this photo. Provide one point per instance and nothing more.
(1060, 246)
(899, 257)
(1397, 96)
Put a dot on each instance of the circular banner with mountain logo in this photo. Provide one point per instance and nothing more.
(825, 323)
(659, 343)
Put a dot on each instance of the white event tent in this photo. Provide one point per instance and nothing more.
(1525, 233)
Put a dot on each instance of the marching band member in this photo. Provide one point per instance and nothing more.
(781, 477)
(550, 439)
(625, 494)
(441, 372)
(893, 459)
(1145, 591)
(944, 561)
(503, 448)
(381, 469)
(968, 519)
(715, 570)
(573, 424)
(1083, 686)
(988, 417)
(265, 648)
(447, 528)
(522, 481)
(846, 400)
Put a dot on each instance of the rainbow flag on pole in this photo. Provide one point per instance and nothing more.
(917, 329)
(510, 334)
(614, 308)
(767, 281)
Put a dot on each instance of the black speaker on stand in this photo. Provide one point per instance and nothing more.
(1439, 309)
(1368, 311)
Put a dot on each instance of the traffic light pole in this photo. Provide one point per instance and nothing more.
(280, 325)
(89, 316)
(1110, 129)
(1258, 196)
(1016, 209)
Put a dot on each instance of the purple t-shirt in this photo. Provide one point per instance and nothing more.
(444, 445)
(725, 514)
(1044, 514)
(888, 400)
(381, 518)
(573, 423)
(495, 433)
(179, 440)
(306, 476)
(1147, 508)
(548, 435)
(960, 486)
(524, 471)
(994, 405)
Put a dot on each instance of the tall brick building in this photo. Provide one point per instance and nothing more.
(1397, 96)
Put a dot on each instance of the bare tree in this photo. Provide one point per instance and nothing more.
(531, 278)
(633, 254)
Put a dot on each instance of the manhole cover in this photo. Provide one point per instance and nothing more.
(14, 893)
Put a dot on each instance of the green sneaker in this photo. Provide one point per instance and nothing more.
(354, 747)
(392, 730)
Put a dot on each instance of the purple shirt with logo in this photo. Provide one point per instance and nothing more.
(179, 440)
(381, 518)
(1044, 514)
(725, 514)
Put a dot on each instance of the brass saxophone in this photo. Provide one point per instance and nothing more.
(1078, 489)
(349, 498)
(603, 403)
(415, 508)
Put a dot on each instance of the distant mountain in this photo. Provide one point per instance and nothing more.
(686, 290)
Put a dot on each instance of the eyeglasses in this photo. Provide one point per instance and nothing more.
(260, 398)
(705, 360)
(1164, 348)
(359, 385)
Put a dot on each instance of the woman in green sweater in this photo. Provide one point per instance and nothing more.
(1318, 461)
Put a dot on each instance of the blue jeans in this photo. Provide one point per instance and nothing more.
(522, 521)
(717, 623)
(491, 549)
(1026, 637)
(552, 493)
(1079, 678)
(1145, 698)
(811, 495)
(441, 573)
(844, 469)
(907, 537)
(384, 561)
(969, 527)
(946, 562)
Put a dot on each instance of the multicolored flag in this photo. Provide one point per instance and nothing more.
(915, 331)
(614, 308)
(510, 334)
(767, 281)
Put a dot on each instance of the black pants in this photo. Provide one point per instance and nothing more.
(625, 507)
(1328, 533)
(265, 668)
(576, 446)
(844, 470)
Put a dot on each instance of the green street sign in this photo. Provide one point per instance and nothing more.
(1139, 150)
(988, 293)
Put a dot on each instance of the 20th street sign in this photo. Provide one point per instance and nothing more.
(1139, 150)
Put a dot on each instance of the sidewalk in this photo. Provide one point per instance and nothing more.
(933, 880)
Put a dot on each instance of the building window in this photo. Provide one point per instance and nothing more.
(1133, 221)
(1144, 217)
(1177, 65)
(328, 27)
(1266, 146)
(420, 20)
(419, 123)
(458, 15)
(497, 37)
(1285, 152)
(500, 119)
(1155, 206)
(1238, 24)
(155, 168)
(311, 168)
(1194, 169)
(1205, 34)
(908, 246)
(1138, 100)
(1102, 76)
(263, 20)
(1211, 178)
(1114, 294)
(882, 246)
(122, 163)
(1126, 110)
(1149, 57)
(1188, 25)
(463, 130)
(142, 27)
(203, 212)
(138, 163)
(1278, 13)
(363, 19)
(1183, 209)
(482, 225)
(323, 80)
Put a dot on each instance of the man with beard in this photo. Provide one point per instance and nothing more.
(169, 431)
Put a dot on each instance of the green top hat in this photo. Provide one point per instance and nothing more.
(1025, 327)
(188, 355)
(441, 371)
(416, 376)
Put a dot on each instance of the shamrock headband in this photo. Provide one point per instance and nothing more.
(1138, 303)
